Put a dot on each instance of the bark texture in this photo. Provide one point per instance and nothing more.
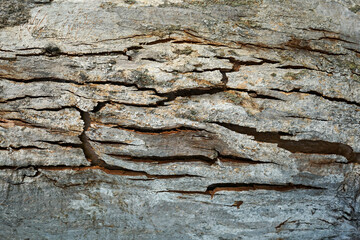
(168, 119)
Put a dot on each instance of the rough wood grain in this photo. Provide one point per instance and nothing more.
(167, 119)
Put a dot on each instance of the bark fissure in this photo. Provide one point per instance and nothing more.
(241, 187)
(24, 97)
(55, 52)
(300, 146)
(13, 148)
(169, 96)
(98, 163)
(335, 99)
(156, 131)
(188, 158)
(127, 116)
(62, 144)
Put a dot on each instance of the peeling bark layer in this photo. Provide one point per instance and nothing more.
(179, 119)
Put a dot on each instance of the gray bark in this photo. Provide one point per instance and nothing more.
(167, 119)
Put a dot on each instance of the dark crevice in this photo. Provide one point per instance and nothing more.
(152, 131)
(99, 106)
(320, 51)
(113, 143)
(254, 94)
(189, 41)
(11, 148)
(169, 96)
(133, 48)
(224, 78)
(158, 41)
(296, 67)
(240, 187)
(264, 60)
(53, 53)
(98, 163)
(336, 39)
(302, 44)
(201, 71)
(125, 84)
(141, 179)
(262, 96)
(237, 63)
(186, 158)
(294, 43)
(43, 79)
(107, 82)
(319, 30)
(298, 90)
(164, 160)
(188, 93)
(282, 223)
(259, 45)
(118, 171)
(149, 105)
(352, 49)
(52, 109)
(213, 188)
(199, 42)
(236, 159)
(59, 80)
(46, 167)
(24, 97)
(301, 146)
(184, 192)
(8, 58)
(26, 49)
(62, 144)
(153, 60)
(307, 118)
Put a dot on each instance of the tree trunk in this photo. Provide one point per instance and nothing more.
(168, 119)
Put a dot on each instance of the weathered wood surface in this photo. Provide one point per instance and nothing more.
(173, 119)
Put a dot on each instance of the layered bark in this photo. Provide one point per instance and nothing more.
(179, 119)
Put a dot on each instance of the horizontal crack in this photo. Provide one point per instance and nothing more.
(21, 122)
(296, 67)
(239, 187)
(44, 79)
(190, 92)
(164, 160)
(302, 44)
(11, 148)
(156, 131)
(298, 90)
(116, 171)
(113, 143)
(189, 158)
(236, 159)
(54, 52)
(165, 40)
(3, 100)
(255, 94)
(237, 63)
(62, 144)
(98, 163)
(301, 146)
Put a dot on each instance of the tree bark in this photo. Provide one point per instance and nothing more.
(167, 119)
